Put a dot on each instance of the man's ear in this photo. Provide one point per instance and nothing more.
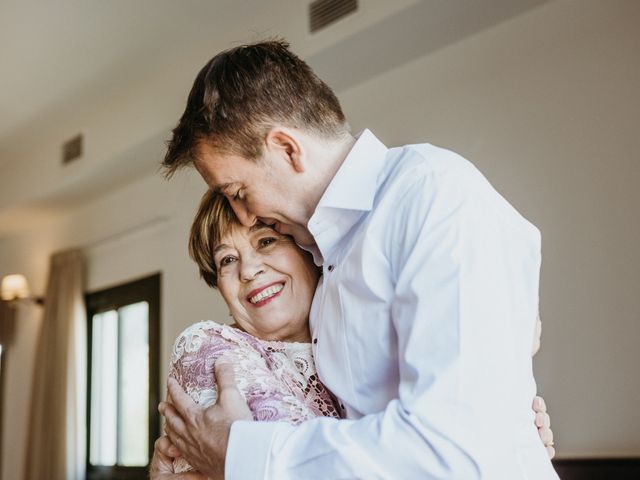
(287, 143)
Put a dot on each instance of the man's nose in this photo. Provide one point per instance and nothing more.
(245, 217)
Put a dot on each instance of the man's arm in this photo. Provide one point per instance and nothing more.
(162, 462)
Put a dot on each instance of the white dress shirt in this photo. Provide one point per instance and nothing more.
(422, 327)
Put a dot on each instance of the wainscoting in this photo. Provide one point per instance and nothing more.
(598, 469)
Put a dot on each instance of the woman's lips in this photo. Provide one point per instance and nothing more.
(263, 295)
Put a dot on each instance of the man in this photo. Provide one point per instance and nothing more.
(423, 322)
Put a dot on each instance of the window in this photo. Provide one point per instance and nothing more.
(123, 387)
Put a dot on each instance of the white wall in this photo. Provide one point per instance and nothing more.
(546, 105)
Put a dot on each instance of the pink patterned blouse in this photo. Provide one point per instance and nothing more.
(278, 379)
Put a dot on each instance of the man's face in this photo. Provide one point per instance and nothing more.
(263, 189)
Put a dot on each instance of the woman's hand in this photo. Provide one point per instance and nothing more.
(543, 423)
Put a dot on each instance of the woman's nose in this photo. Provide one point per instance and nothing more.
(250, 268)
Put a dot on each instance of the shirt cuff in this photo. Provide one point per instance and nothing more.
(247, 436)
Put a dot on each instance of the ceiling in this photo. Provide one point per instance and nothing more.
(62, 61)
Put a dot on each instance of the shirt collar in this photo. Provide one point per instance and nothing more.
(355, 184)
(351, 192)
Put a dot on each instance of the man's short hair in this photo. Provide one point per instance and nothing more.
(241, 93)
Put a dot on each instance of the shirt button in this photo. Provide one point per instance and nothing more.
(331, 267)
(315, 340)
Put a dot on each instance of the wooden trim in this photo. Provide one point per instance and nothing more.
(598, 468)
(7, 328)
(3, 368)
(146, 289)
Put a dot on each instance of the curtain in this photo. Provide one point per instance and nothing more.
(57, 429)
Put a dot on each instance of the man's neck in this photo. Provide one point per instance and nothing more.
(330, 157)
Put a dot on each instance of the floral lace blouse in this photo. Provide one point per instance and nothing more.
(277, 379)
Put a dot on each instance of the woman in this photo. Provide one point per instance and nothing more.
(268, 284)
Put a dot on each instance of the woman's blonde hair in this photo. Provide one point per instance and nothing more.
(214, 220)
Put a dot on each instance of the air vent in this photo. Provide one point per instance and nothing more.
(72, 149)
(326, 12)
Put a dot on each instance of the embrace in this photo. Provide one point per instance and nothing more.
(401, 272)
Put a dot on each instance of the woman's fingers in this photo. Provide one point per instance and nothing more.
(543, 423)
(551, 451)
(543, 420)
(539, 405)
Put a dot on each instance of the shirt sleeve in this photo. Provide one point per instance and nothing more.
(455, 309)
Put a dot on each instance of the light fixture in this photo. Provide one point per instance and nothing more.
(14, 288)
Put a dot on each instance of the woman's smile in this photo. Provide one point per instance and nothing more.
(263, 295)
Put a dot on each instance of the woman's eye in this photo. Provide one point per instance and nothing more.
(227, 260)
(265, 242)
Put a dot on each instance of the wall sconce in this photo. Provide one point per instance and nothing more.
(14, 289)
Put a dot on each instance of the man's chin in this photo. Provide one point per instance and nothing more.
(306, 244)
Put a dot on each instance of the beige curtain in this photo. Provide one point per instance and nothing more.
(57, 430)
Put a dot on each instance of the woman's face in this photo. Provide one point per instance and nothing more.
(267, 282)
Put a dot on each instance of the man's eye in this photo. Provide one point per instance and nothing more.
(266, 241)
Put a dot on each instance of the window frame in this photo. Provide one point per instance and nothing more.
(145, 289)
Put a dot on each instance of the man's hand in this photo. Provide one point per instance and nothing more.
(161, 467)
(201, 434)
(543, 422)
